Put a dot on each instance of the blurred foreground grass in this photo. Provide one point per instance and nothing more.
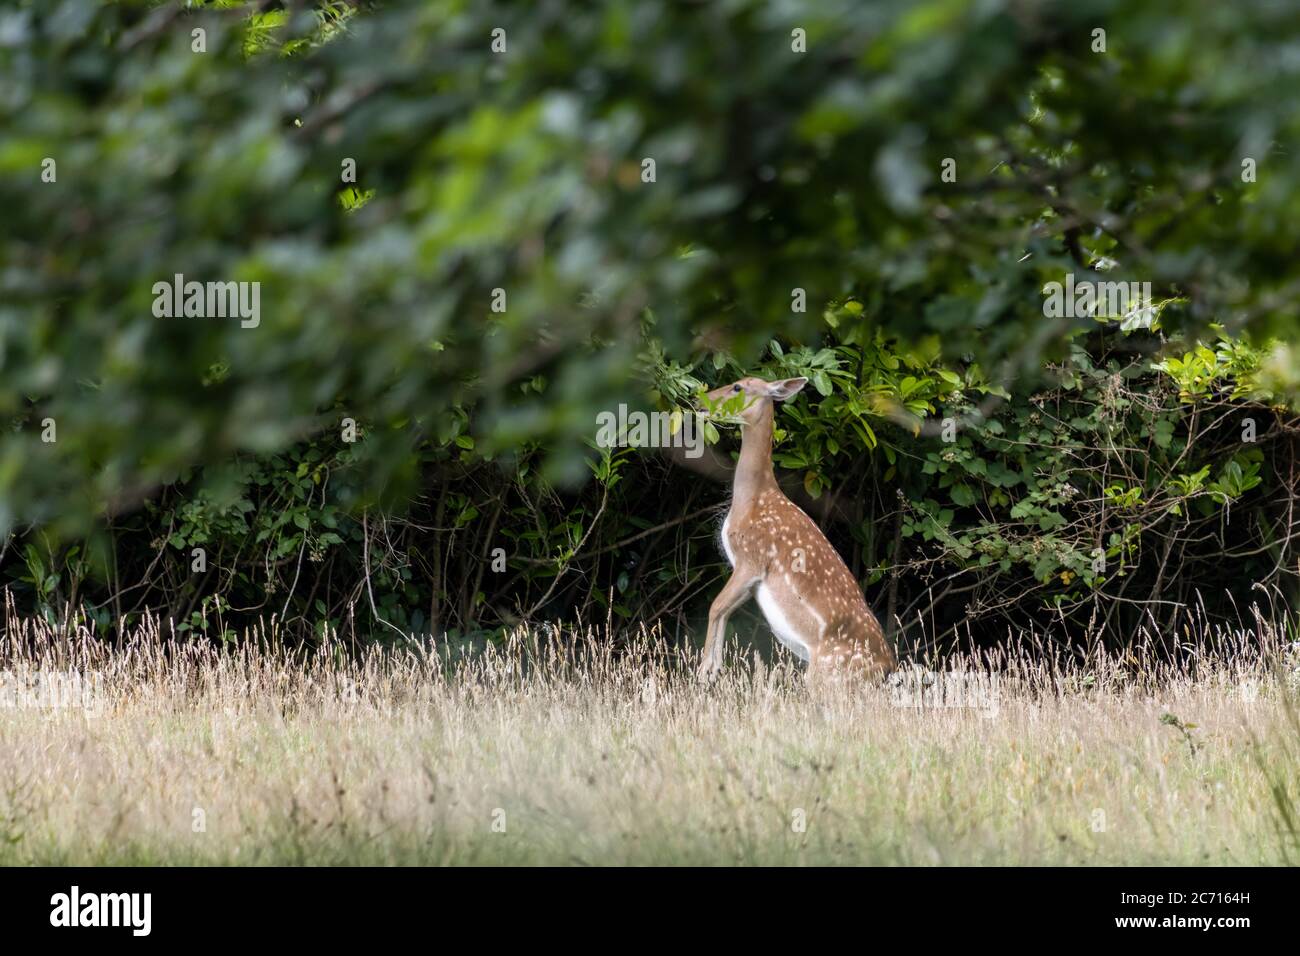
(557, 750)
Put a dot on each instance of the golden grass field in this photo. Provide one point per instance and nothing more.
(562, 750)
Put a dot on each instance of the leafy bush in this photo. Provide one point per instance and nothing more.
(502, 269)
(1113, 497)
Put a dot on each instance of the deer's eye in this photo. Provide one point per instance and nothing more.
(735, 388)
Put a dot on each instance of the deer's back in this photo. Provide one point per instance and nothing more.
(806, 592)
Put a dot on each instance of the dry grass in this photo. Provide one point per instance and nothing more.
(586, 755)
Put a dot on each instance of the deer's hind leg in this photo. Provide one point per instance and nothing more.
(734, 593)
(849, 653)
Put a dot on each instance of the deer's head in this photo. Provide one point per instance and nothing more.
(749, 398)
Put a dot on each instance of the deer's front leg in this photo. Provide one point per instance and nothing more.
(733, 594)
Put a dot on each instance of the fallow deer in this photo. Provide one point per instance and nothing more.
(778, 555)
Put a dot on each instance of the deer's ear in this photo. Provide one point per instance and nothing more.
(786, 388)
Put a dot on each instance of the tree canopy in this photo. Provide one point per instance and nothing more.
(795, 147)
(453, 234)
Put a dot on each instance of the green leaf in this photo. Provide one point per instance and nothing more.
(962, 495)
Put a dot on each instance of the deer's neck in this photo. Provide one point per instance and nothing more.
(754, 470)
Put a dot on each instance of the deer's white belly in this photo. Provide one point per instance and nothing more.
(776, 619)
(726, 545)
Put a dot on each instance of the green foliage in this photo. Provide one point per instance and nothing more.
(776, 170)
(1107, 488)
(501, 271)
